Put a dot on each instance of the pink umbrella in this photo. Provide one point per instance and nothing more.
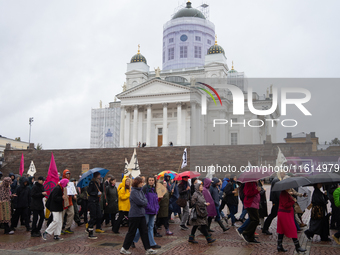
(254, 175)
(190, 174)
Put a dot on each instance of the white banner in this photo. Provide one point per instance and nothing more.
(184, 159)
(31, 170)
(71, 190)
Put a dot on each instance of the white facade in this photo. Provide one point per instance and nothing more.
(159, 108)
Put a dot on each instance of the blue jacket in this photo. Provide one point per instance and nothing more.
(224, 183)
(138, 202)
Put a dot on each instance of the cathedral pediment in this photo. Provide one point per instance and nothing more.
(155, 87)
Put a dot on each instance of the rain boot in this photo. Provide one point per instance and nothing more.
(209, 239)
(192, 239)
(91, 236)
(298, 247)
(222, 226)
(279, 246)
(209, 223)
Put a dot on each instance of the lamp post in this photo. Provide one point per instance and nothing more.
(30, 120)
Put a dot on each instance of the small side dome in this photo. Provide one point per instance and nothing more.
(188, 11)
(215, 49)
(232, 70)
(138, 57)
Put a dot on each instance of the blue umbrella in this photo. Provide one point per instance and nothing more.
(87, 177)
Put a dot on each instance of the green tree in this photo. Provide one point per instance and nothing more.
(335, 141)
(39, 147)
(17, 139)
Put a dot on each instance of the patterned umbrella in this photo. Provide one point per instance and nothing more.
(86, 177)
(172, 174)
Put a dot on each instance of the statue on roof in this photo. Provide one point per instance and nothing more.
(157, 72)
(124, 87)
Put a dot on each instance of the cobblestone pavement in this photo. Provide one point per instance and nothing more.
(109, 243)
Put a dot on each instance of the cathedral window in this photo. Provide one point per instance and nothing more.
(171, 40)
(233, 138)
(209, 41)
(183, 51)
(197, 38)
(171, 53)
(198, 52)
(163, 56)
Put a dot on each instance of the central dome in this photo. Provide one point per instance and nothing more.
(188, 11)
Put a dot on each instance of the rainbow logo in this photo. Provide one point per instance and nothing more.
(204, 106)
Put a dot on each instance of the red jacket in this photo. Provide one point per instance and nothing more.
(251, 195)
(69, 197)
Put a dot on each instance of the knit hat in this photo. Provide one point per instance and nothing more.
(64, 182)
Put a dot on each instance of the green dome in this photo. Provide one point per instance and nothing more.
(232, 71)
(138, 58)
(215, 49)
(188, 11)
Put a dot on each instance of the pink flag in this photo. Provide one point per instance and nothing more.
(21, 170)
(52, 178)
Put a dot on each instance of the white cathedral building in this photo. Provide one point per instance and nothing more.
(171, 106)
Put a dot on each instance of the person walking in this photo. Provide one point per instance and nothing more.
(319, 222)
(68, 207)
(184, 194)
(275, 198)
(251, 203)
(336, 197)
(95, 191)
(55, 205)
(263, 210)
(111, 208)
(211, 209)
(151, 210)
(214, 194)
(84, 205)
(163, 212)
(5, 205)
(200, 204)
(231, 198)
(23, 193)
(137, 218)
(123, 203)
(76, 217)
(37, 206)
(285, 221)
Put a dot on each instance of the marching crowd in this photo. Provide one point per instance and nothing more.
(135, 203)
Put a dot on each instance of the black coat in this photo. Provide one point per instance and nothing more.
(55, 200)
(182, 189)
(230, 197)
(23, 193)
(274, 195)
(111, 199)
(263, 210)
(37, 197)
(93, 190)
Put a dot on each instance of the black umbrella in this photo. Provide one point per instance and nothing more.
(290, 183)
(325, 178)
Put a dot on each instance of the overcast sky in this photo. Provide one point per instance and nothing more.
(58, 59)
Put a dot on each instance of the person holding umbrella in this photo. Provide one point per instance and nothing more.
(285, 221)
(95, 191)
(319, 224)
(184, 194)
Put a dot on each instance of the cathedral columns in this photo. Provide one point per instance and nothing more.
(135, 121)
(165, 124)
(179, 123)
(148, 125)
(122, 120)
(193, 124)
(127, 129)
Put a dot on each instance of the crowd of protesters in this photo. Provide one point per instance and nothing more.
(136, 204)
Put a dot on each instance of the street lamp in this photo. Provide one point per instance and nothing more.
(30, 120)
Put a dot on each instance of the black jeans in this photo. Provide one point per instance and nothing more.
(271, 216)
(107, 217)
(7, 228)
(162, 221)
(254, 218)
(95, 215)
(117, 222)
(84, 208)
(41, 215)
(134, 224)
(23, 213)
(203, 229)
